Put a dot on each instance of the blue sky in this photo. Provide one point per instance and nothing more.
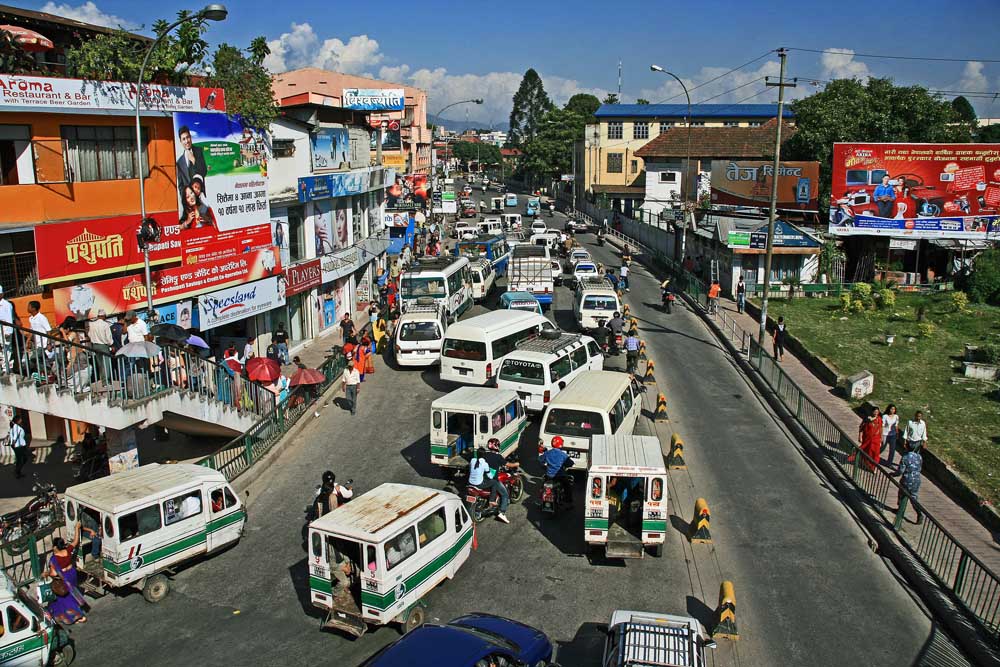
(461, 50)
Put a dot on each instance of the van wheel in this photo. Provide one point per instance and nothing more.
(656, 550)
(156, 588)
(64, 657)
(414, 619)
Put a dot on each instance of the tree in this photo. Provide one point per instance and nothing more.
(610, 98)
(876, 111)
(583, 104)
(642, 101)
(963, 109)
(984, 281)
(550, 152)
(989, 134)
(470, 151)
(247, 84)
(530, 104)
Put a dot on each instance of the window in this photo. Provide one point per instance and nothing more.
(525, 372)
(755, 123)
(432, 527)
(668, 177)
(615, 129)
(656, 489)
(470, 350)
(283, 148)
(484, 424)
(456, 279)
(372, 565)
(640, 130)
(614, 163)
(296, 234)
(317, 545)
(399, 548)
(498, 420)
(697, 123)
(17, 165)
(731, 123)
(181, 507)
(504, 346)
(417, 286)
(580, 357)
(102, 153)
(561, 367)
(477, 278)
(436, 420)
(593, 349)
(459, 519)
(626, 400)
(665, 125)
(634, 166)
(15, 620)
(577, 423)
(597, 488)
(139, 523)
(606, 303)
(18, 273)
(222, 499)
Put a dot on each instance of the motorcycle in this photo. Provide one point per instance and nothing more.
(478, 500)
(600, 238)
(39, 514)
(668, 300)
(627, 259)
(553, 493)
(552, 212)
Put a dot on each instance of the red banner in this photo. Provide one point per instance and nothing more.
(118, 295)
(86, 248)
(304, 276)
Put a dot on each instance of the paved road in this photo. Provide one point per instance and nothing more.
(809, 590)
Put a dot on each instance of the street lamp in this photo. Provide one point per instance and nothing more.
(209, 13)
(476, 100)
(687, 162)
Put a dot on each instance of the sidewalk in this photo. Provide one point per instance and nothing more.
(964, 527)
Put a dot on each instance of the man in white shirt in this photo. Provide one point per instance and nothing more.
(352, 380)
(137, 329)
(916, 432)
(6, 315)
(19, 442)
(623, 272)
(38, 323)
(99, 333)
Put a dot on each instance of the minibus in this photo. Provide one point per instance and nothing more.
(474, 349)
(542, 367)
(444, 279)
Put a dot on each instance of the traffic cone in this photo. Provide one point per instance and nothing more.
(725, 615)
(633, 325)
(625, 311)
(648, 378)
(661, 409)
(700, 523)
(642, 349)
(675, 461)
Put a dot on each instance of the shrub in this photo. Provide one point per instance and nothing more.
(988, 354)
(960, 300)
(858, 306)
(984, 281)
(845, 302)
(862, 292)
(926, 329)
(886, 299)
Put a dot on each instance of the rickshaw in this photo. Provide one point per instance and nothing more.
(626, 508)
(467, 418)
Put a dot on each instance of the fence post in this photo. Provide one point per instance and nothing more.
(963, 564)
(247, 451)
(798, 412)
(36, 566)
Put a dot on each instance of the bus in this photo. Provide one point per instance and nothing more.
(493, 248)
(474, 349)
(447, 280)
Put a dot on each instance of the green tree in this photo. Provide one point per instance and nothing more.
(14, 59)
(247, 85)
(610, 98)
(989, 134)
(984, 281)
(550, 152)
(876, 111)
(963, 109)
(584, 104)
(642, 100)
(530, 104)
(470, 151)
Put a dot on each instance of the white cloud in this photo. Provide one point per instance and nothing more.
(88, 13)
(729, 89)
(973, 79)
(840, 64)
(301, 47)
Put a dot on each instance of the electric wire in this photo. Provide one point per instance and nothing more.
(876, 55)
(724, 74)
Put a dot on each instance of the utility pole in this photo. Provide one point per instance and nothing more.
(619, 82)
(781, 85)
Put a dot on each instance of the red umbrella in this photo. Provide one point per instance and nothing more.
(307, 376)
(234, 364)
(29, 40)
(262, 369)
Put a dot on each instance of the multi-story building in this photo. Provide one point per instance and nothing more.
(606, 163)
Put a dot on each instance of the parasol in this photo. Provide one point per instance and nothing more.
(171, 332)
(307, 376)
(140, 350)
(262, 369)
(29, 40)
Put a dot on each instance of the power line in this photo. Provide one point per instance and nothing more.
(732, 90)
(705, 83)
(968, 93)
(877, 55)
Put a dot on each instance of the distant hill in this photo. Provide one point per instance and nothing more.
(462, 126)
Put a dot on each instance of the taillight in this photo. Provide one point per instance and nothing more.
(547, 493)
(541, 447)
(546, 396)
(398, 350)
(489, 371)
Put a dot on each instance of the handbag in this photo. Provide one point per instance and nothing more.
(59, 587)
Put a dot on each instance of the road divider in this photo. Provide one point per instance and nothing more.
(675, 461)
(661, 408)
(700, 523)
(648, 377)
(642, 350)
(725, 615)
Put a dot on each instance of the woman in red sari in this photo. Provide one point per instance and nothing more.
(870, 437)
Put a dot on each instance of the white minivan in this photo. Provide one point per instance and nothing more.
(538, 227)
(595, 403)
(483, 278)
(542, 367)
(594, 303)
(420, 333)
(474, 348)
(491, 227)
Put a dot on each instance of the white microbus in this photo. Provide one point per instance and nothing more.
(420, 333)
(474, 349)
(542, 367)
(483, 279)
(445, 279)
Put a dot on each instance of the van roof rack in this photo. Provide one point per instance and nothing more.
(594, 282)
(432, 263)
(548, 345)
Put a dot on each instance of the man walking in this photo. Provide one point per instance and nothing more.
(623, 273)
(741, 296)
(280, 340)
(713, 297)
(916, 432)
(19, 442)
(909, 468)
(352, 379)
(779, 339)
(99, 333)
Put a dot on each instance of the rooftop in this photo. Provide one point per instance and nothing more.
(717, 142)
(312, 85)
(27, 18)
(697, 111)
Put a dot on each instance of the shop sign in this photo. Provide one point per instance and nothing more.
(373, 99)
(39, 91)
(394, 160)
(240, 302)
(344, 184)
(396, 219)
(902, 244)
(340, 263)
(304, 276)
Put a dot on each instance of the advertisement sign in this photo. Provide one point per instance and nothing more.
(396, 219)
(200, 248)
(330, 147)
(118, 295)
(341, 263)
(397, 160)
(312, 188)
(391, 140)
(240, 302)
(567, 177)
(414, 189)
(38, 91)
(748, 183)
(302, 277)
(373, 99)
(916, 190)
(785, 236)
(221, 173)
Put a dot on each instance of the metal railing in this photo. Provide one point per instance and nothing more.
(957, 570)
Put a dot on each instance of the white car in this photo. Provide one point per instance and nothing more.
(578, 256)
(464, 230)
(583, 270)
(538, 227)
(576, 225)
(515, 237)
(557, 272)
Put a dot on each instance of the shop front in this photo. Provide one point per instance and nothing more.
(237, 314)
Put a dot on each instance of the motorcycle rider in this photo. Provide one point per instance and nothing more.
(497, 463)
(482, 475)
(552, 209)
(331, 495)
(626, 255)
(665, 294)
(556, 462)
(600, 236)
(616, 324)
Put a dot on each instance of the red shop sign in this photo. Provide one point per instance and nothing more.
(304, 276)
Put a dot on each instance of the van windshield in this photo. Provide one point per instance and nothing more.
(600, 303)
(526, 372)
(456, 348)
(575, 423)
(419, 331)
(415, 286)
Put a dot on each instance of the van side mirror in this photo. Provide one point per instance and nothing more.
(34, 624)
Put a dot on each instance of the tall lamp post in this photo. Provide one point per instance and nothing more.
(210, 13)
(687, 160)
(477, 100)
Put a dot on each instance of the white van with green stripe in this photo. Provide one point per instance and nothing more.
(152, 519)
(466, 419)
(29, 636)
(626, 509)
(372, 560)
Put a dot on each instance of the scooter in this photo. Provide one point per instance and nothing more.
(478, 500)
(668, 300)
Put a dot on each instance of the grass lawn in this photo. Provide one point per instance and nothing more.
(963, 419)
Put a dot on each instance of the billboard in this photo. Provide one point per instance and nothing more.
(237, 303)
(17, 92)
(916, 190)
(373, 99)
(312, 188)
(221, 173)
(391, 140)
(303, 276)
(409, 189)
(748, 183)
(397, 160)
(330, 147)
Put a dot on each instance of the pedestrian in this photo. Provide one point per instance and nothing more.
(890, 431)
(378, 333)
(6, 315)
(248, 351)
(623, 272)
(38, 323)
(361, 360)
(272, 351)
(870, 437)
(407, 255)
(916, 432)
(118, 333)
(298, 363)
(18, 439)
(66, 608)
(713, 297)
(909, 469)
(741, 296)
(352, 382)
(394, 270)
(372, 312)
(631, 353)
(280, 339)
(688, 264)
(99, 333)
(346, 327)
(778, 339)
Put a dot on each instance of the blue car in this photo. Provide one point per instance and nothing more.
(474, 640)
(520, 301)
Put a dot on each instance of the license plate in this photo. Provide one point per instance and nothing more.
(463, 371)
(573, 455)
(421, 351)
(470, 499)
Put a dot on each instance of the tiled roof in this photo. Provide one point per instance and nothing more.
(717, 142)
(698, 111)
(327, 84)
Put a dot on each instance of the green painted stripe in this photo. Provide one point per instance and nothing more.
(228, 520)
(321, 585)
(22, 648)
(440, 450)
(654, 526)
(595, 524)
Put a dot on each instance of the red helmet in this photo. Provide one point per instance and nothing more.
(557, 442)
(493, 444)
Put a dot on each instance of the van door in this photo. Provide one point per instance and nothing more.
(139, 535)
(596, 357)
(185, 517)
(20, 643)
(225, 520)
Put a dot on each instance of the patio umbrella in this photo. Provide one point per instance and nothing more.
(234, 364)
(307, 376)
(141, 350)
(29, 40)
(262, 369)
(197, 341)
(171, 332)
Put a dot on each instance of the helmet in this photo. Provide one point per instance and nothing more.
(557, 442)
(617, 314)
(329, 478)
(481, 452)
(493, 444)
